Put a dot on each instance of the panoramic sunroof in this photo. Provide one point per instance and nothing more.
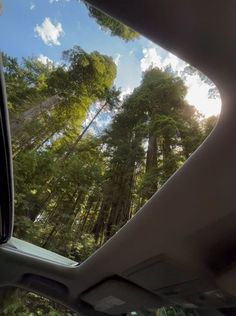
(100, 118)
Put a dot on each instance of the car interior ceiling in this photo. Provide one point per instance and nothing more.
(144, 266)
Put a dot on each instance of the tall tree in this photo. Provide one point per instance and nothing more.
(115, 27)
(83, 79)
(144, 137)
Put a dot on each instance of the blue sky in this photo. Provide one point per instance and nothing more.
(44, 28)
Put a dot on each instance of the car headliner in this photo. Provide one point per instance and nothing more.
(192, 219)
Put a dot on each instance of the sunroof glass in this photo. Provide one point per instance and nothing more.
(100, 118)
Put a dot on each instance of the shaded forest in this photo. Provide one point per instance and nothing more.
(76, 185)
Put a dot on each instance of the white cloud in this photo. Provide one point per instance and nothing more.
(52, 1)
(101, 121)
(44, 59)
(117, 59)
(32, 6)
(125, 92)
(197, 94)
(49, 32)
(150, 59)
(175, 63)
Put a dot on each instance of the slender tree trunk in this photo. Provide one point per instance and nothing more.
(59, 224)
(123, 183)
(101, 219)
(151, 160)
(84, 218)
(169, 161)
(122, 200)
(91, 223)
(25, 143)
(151, 165)
(49, 237)
(84, 221)
(72, 148)
(44, 141)
(34, 111)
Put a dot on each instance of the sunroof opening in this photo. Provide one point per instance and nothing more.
(100, 118)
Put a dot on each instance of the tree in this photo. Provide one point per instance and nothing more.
(89, 78)
(115, 27)
(208, 124)
(150, 136)
(124, 151)
(148, 140)
(83, 79)
(111, 101)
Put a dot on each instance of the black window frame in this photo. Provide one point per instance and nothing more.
(6, 170)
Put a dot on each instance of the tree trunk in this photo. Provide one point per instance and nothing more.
(121, 204)
(151, 160)
(60, 223)
(101, 219)
(150, 186)
(50, 235)
(93, 218)
(34, 111)
(122, 183)
(169, 161)
(70, 151)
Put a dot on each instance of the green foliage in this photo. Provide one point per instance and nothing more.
(25, 81)
(30, 304)
(83, 75)
(115, 27)
(82, 80)
(208, 124)
(86, 247)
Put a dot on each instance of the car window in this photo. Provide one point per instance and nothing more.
(15, 301)
(100, 118)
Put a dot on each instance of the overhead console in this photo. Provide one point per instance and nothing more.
(160, 282)
(182, 286)
(116, 296)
